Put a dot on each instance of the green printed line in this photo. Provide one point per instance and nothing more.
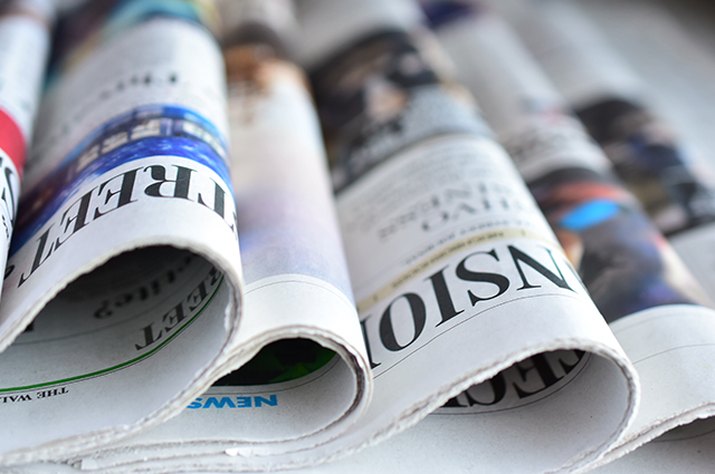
(123, 365)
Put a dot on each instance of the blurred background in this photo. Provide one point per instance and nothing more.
(671, 44)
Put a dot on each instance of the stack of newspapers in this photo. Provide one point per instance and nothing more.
(345, 236)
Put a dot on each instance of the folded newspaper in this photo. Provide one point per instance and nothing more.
(656, 308)
(416, 274)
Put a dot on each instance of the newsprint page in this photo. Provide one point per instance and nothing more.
(343, 236)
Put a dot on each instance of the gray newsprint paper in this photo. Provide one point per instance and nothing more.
(459, 292)
(488, 294)
(655, 307)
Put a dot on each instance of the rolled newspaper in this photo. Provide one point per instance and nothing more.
(309, 379)
(463, 293)
(24, 26)
(124, 271)
(655, 307)
(458, 279)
